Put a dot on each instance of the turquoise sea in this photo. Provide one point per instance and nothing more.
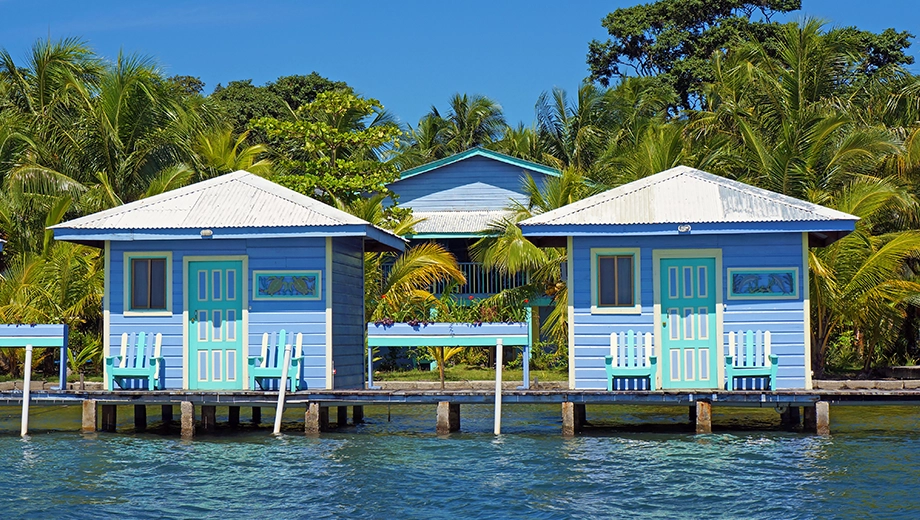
(394, 466)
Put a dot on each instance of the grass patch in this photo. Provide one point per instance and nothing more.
(465, 373)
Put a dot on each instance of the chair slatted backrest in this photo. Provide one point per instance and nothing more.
(749, 348)
(626, 351)
(142, 356)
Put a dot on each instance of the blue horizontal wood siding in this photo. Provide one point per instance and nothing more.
(307, 317)
(783, 318)
(476, 183)
(348, 313)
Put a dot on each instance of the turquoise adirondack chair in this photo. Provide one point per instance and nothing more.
(144, 365)
(629, 360)
(269, 364)
(750, 357)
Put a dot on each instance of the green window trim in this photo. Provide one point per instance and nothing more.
(622, 293)
(148, 284)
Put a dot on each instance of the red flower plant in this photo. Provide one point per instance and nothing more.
(471, 297)
(526, 300)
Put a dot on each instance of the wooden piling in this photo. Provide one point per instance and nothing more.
(140, 417)
(256, 415)
(316, 419)
(790, 417)
(89, 416)
(357, 414)
(573, 418)
(208, 418)
(448, 417)
(109, 417)
(341, 419)
(822, 418)
(817, 418)
(187, 409)
(166, 414)
(233, 416)
(703, 417)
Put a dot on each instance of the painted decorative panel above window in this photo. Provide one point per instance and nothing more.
(148, 284)
(615, 281)
(287, 285)
(763, 283)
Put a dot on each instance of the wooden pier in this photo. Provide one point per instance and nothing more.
(198, 409)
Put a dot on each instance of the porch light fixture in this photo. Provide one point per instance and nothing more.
(206, 233)
(683, 228)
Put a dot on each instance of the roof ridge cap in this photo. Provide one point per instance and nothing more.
(283, 195)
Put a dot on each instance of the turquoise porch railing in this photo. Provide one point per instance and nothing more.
(479, 280)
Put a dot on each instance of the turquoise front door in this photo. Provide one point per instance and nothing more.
(215, 328)
(689, 356)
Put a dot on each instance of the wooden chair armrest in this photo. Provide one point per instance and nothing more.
(254, 360)
(774, 359)
(111, 361)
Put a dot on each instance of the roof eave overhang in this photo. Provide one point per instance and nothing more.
(821, 233)
(375, 239)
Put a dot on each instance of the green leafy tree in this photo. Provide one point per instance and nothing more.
(675, 39)
(333, 149)
(242, 102)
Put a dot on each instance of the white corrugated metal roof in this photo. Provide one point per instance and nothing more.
(685, 195)
(234, 200)
(457, 221)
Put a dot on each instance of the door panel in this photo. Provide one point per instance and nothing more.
(215, 328)
(688, 308)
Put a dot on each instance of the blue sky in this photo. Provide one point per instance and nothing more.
(408, 54)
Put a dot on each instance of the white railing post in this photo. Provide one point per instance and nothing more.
(281, 386)
(26, 390)
(498, 386)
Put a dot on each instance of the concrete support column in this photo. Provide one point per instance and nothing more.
(818, 419)
(89, 416)
(166, 411)
(316, 419)
(341, 419)
(208, 418)
(109, 417)
(140, 417)
(573, 418)
(357, 414)
(256, 415)
(791, 418)
(187, 409)
(448, 417)
(703, 417)
(233, 416)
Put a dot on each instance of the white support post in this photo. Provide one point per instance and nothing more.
(26, 390)
(498, 386)
(279, 410)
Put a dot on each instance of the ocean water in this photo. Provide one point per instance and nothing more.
(635, 463)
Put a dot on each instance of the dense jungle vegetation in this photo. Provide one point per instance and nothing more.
(828, 115)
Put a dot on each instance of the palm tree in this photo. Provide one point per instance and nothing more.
(504, 248)
(219, 153)
(471, 121)
(859, 283)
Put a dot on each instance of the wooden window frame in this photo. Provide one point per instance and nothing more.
(636, 306)
(129, 259)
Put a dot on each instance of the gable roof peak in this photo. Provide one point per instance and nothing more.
(478, 151)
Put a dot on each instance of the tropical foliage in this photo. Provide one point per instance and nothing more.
(826, 115)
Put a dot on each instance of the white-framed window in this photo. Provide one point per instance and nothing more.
(615, 281)
(148, 283)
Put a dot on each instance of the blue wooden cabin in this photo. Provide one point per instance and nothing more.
(214, 265)
(691, 258)
(458, 197)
